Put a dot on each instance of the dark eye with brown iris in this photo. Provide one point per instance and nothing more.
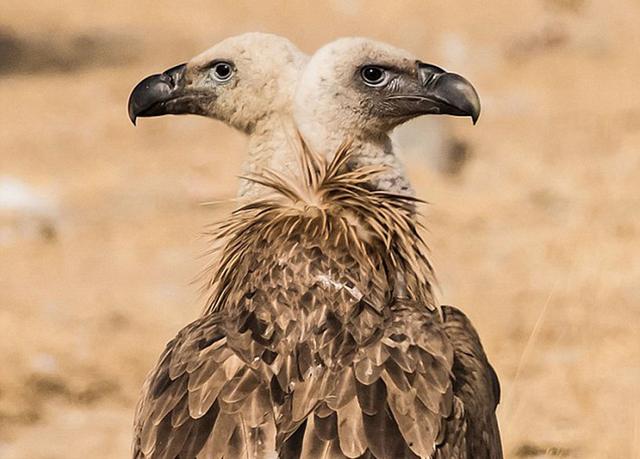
(373, 76)
(222, 71)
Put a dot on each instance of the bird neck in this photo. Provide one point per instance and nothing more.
(376, 152)
(368, 151)
(271, 146)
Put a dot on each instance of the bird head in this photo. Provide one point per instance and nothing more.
(240, 81)
(366, 87)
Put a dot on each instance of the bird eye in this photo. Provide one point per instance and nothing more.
(222, 71)
(373, 76)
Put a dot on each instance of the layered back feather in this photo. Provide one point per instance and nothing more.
(326, 273)
(321, 337)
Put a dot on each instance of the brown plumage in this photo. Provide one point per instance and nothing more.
(321, 339)
(476, 384)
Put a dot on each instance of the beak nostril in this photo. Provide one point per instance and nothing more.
(173, 75)
(430, 79)
(428, 73)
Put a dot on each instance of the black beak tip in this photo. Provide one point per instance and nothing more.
(152, 91)
(145, 94)
(132, 108)
(132, 115)
(462, 95)
(475, 115)
(475, 107)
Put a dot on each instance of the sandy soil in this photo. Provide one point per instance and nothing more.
(535, 230)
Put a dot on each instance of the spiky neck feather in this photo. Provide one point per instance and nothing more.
(325, 134)
(303, 223)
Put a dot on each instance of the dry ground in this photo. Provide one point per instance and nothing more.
(536, 234)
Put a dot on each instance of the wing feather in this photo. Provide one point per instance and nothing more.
(353, 442)
(476, 386)
(219, 408)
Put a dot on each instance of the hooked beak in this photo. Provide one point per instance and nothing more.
(162, 94)
(446, 93)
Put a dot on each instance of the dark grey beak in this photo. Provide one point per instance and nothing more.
(447, 93)
(159, 95)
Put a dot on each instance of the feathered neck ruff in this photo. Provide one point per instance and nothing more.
(334, 204)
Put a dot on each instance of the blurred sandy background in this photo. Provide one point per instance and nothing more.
(534, 217)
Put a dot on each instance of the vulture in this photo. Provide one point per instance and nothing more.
(246, 81)
(322, 337)
(362, 89)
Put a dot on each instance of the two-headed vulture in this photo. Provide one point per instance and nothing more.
(322, 338)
